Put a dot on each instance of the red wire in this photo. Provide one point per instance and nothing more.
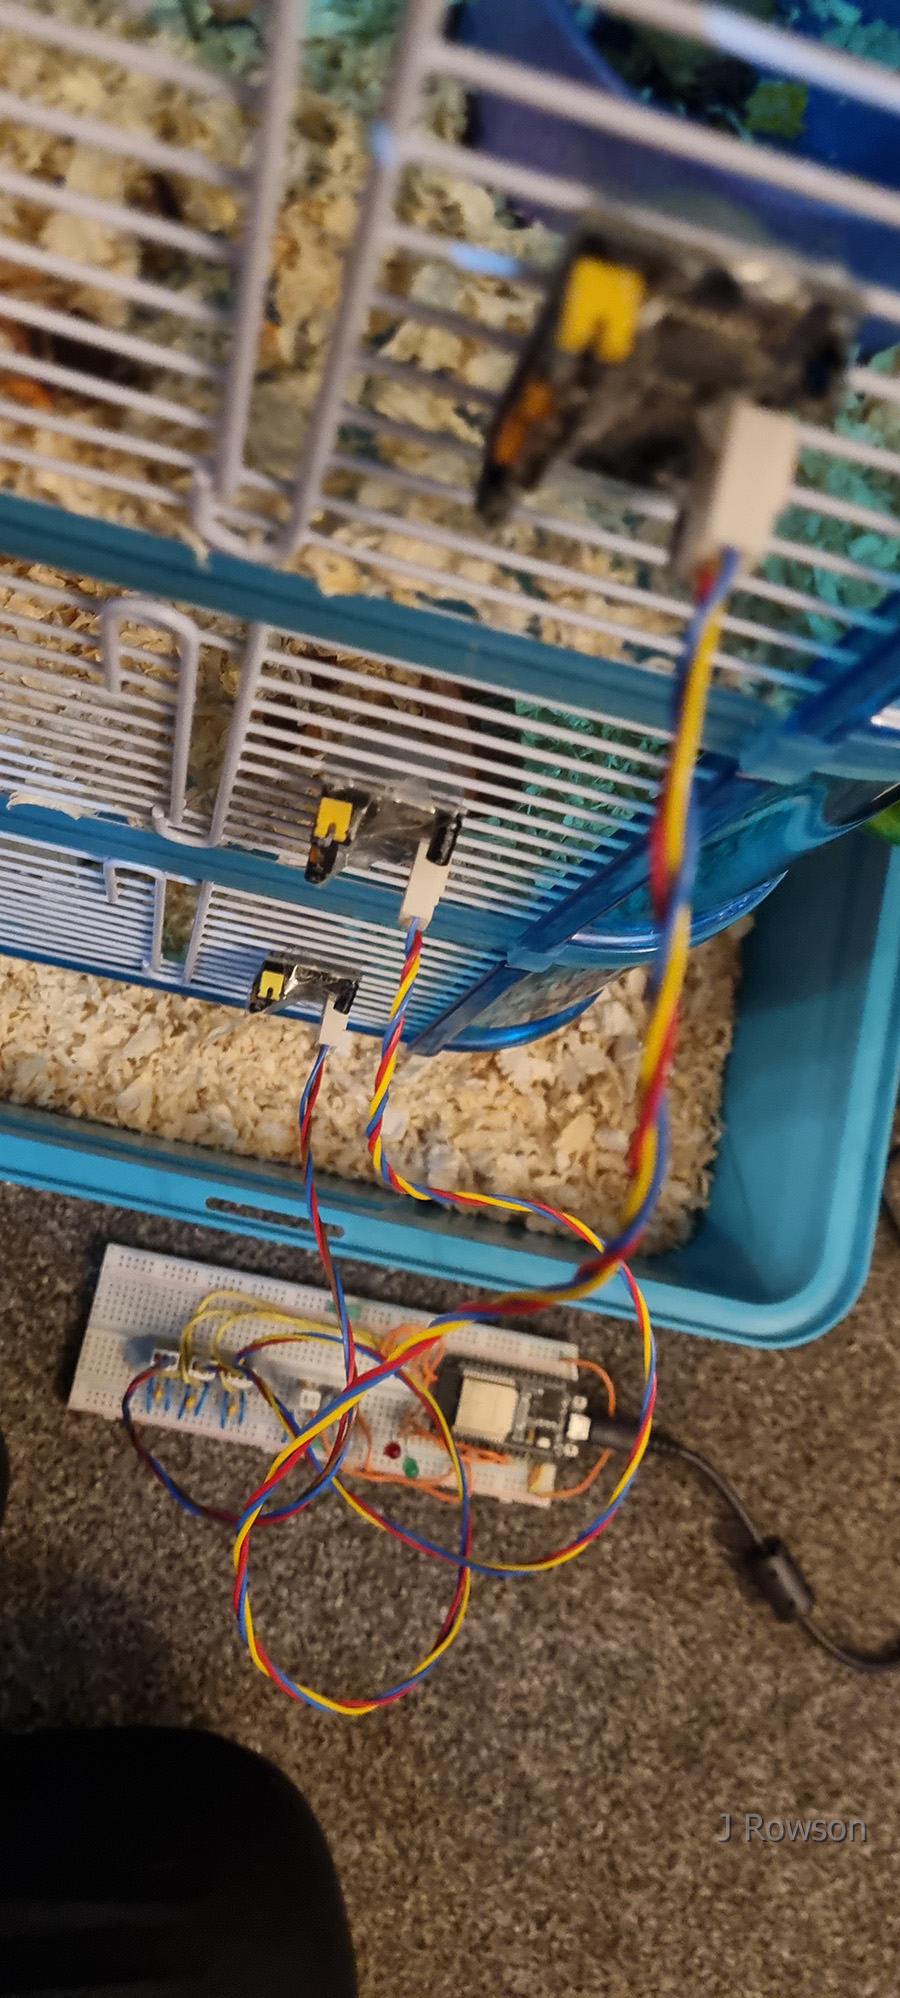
(288, 1465)
(657, 1088)
(216, 1513)
(320, 1236)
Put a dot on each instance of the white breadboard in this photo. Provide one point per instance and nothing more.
(142, 1302)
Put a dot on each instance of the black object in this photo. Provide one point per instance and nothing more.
(774, 331)
(510, 1409)
(442, 844)
(165, 1861)
(777, 1577)
(283, 980)
(4, 1475)
(767, 1563)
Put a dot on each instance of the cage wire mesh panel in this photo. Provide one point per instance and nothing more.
(545, 789)
(138, 320)
(234, 933)
(204, 939)
(229, 735)
(146, 203)
(428, 330)
(63, 907)
(99, 698)
(139, 190)
(216, 731)
(219, 733)
(429, 323)
(146, 210)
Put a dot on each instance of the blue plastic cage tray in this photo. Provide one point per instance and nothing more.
(809, 1098)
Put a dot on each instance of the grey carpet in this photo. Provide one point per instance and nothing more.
(542, 1817)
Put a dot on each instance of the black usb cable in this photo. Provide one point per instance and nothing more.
(766, 1561)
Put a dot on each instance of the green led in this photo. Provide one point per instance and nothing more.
(410, 1467)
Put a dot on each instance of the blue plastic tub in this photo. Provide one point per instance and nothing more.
(837, 132)
(784, 1248)
(810, 1087)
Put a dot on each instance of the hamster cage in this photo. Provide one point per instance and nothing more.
(246, 379)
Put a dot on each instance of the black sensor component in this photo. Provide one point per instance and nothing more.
(525, 1414)
(284, 981)
(447, 828)
(378, 830)
(339, 820)
(642, 342)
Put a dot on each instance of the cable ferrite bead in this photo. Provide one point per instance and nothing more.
(774, 1572)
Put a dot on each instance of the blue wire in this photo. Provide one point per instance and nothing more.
(499, 1573)
(314, 1072)
(305, 1498)
(181, 1498)
(679, 896)
(619, 1245)
(334, 1409)
(461, 1559)
(721, 588)
(399, 1016)
(340, 1298)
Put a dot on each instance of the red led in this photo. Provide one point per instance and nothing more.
(392, 1449)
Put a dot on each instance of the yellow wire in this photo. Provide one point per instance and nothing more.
(357, 1710)
(316, 1428)
(675, 809)
(307, 1328)
(686, 746)
(641, 1180)
(668, 995)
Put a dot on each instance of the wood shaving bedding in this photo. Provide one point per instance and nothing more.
(551, 1120)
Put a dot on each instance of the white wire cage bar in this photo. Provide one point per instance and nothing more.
(98, 692)
(426, 337)
(59, 906)
(135, 250)
(215, 732)
(201, 939)
(174, 308)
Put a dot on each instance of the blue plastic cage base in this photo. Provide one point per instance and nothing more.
(784, 1247)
